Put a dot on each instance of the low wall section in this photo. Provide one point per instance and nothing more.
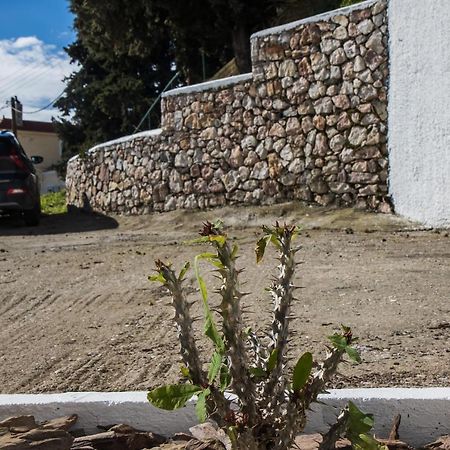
(309, 123)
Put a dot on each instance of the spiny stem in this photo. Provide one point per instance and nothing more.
(330, 438)
(188, 347)
(233, 331)
(282, 295)
(183, 320)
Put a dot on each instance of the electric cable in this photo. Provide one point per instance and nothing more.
(44, 107)
(14, 83)
(25, 72)
(22, 83)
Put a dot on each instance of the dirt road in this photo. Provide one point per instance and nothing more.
(78, 314)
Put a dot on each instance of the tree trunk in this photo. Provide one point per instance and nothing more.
(240, 38)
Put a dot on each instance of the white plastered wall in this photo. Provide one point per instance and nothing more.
(419, 110)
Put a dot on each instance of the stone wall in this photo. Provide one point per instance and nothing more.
(309, 123)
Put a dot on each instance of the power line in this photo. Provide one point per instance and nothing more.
(20, 84)
(18, 80)
(41, 109)
(18, 74)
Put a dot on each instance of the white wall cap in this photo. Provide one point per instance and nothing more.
(317, 18)
(121, 140)
(209, 85)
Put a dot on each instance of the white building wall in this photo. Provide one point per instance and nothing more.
(419, 110)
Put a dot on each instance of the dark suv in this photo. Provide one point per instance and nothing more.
(19, 184)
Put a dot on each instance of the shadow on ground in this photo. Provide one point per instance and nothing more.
(74, 222)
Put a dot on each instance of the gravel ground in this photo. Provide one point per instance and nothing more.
(77, 312)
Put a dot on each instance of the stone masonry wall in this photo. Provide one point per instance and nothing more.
(309, 123)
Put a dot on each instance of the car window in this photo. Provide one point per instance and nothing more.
(5, 147)
(7, 164)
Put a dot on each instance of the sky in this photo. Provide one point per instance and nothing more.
(32, 60)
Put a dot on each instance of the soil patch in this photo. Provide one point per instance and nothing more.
(78, 314)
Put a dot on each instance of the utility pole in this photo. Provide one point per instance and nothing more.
(16, 114)
(13, 116)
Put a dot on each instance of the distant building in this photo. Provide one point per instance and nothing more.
(40, 139)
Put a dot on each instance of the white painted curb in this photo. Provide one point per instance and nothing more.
(425, 411)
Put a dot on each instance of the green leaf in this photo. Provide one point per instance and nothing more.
(261, 248)
(358, 425)
(219, 238)
(272, 361)
(185, 372)
(353, 354)
(200, 406)
(210, 326)
(157, 277)
(338, 341)
(225, 377)
(367, 442)
(234, 251)
(212, 333)
(200, 280)
(275, 240)
(183, 271)
(302, 371)
(218, 224)
(214, 366)
(172, 396)
(200, 240)
(257, 372)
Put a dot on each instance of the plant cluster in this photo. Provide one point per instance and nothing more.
(268, 402)
(54, 202)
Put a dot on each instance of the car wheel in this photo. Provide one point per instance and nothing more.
(32, 217)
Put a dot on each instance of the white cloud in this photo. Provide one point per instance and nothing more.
(34, 72)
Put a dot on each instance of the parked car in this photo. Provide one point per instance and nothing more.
(19, 183)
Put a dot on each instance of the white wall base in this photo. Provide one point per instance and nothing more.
(425, 411)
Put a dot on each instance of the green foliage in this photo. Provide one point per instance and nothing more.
(302, 371)
(54, 202)
(343, 341)
(210, 326)
(172, 396)
(272, 361)
(359, 425)
(200, 406)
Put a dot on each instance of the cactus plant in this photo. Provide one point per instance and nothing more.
(269, 405)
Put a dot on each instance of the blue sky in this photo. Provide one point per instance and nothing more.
(32, 61)
(48, 20)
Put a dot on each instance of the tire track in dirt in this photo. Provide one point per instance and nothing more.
(14, 302)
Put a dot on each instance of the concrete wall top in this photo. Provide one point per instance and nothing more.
(317, 18)
(209, 85)
(143, 134)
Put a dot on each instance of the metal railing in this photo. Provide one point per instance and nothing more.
(155, 102)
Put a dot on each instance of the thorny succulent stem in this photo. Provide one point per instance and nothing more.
(336, 430)
(282, 295)
(220, 406)
(323, 374)
(231, 312)
(183, 320)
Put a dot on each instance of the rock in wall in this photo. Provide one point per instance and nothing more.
(309, 123)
